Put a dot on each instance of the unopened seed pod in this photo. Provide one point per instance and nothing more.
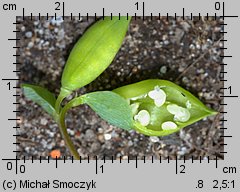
(94, 52)
(160, 107)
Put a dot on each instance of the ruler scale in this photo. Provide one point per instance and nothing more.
(220, 172)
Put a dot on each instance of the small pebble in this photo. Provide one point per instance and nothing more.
(43, 121)
(57, 21)
(36, 23)
(40, 31)
(30, 44)
(23, 28)
(182, 151)
(28, 34)
(90, 135)
(163, 69)
(107, 136)
(95, 147)
(55, 153)
(185, 80)
(100, 130)
(154, 139)
(70, 132)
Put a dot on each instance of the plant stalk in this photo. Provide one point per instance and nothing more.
(66, 137)
(62, 95)
(61, 122)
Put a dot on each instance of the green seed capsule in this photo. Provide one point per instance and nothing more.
(161, 107)
(94, 52)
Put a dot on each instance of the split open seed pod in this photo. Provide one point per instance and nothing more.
(160, 107)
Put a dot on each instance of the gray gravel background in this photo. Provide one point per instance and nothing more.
(184, 51)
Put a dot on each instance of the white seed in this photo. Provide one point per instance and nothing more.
(169, 125)
(158, 95)
(180, 114)
(159, 102)
(143, 117)
(134, 108)
(188, 104)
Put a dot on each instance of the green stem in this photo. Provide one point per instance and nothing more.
(62, 95)
(61, 121)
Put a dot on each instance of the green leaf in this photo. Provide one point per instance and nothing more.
(94, 52)
(168, 106)
(111, 107)
(41, 96)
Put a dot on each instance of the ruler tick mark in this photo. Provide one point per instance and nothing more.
(17, 39)
(227, 136)
(136, 162)
(63, 14)
(10, 79)
(23, 13)
(143, 11)
(183, 14)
